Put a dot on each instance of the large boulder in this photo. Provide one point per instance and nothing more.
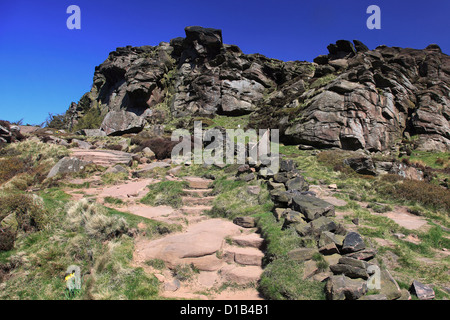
(312, 207)
(67, 165)
(122, 122)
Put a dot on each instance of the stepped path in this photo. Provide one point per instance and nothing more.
(225, 259)
(223, 255)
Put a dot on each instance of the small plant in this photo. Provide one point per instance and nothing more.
(156, 263)
(114, 201)
(321, 264)
(165, 193)
(184, 272)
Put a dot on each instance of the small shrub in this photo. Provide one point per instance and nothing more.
(421, 192)
(184, 272)
(9, 167)
(379, 207)
(113, 177)
(94, 220)
(156, 263)
(29, 210)
(7, 238)
(112, 200)
(92, 119)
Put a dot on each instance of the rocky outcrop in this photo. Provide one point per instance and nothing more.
(9, 133)
(352, 98)
(362, 99)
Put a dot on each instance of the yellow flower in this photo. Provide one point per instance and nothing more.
(70, 276)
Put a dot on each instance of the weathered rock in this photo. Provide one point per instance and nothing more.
(121, 122)
(362, 165)
(389, 286)
(329, 237)
(365, 254)
(332, 259)
(312, 207)
(343, 288)
(148, 153)
(310, 269)
(349, 271)
(323, 224)
(293, 217)
(150, 167)
(328, 249)
(302, 254)
(353, 243)
(82, 144)
(354, 262)
(67, 165)
(423, 292)
(254, 190)
(116, 169)
(297, 183)
(92, 132)
(352, 98)
(287, 165)
(174, 285)
(376, 297)
(245, 222)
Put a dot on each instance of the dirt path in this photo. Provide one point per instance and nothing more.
(223, 260)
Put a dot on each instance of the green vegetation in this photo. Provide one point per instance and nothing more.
(114, 201)
(233, 200)
(184, 272)
(114, 177)
(282, 280)
(75, 234)
(92, 119)
(322, 81)
(165, 193)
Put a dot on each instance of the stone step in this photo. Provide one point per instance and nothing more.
(197, 210)
(197, 192)
(253, 240)
(241, 275)
(198, 183)
(193, 201)
(245, 256)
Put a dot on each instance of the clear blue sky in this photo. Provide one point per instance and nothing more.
(44, 66)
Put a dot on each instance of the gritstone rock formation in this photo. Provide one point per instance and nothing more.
(352, 98)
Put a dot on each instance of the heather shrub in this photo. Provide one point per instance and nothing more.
(417, 191)
(7, 238)
(9, 167)
(28, 210)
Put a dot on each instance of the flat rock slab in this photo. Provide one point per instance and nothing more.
(241, 275)
(103, 157)
(312, 207)
(199, 240)
(198, 183)
(405, 219)
(156, 213)
(137, 189)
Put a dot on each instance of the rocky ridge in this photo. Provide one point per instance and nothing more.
(352, 98)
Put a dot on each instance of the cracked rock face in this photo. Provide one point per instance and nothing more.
(352, 98)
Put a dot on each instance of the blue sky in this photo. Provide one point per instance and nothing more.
(44, 66)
